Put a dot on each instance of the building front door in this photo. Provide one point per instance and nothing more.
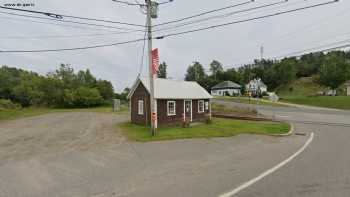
(188, 110)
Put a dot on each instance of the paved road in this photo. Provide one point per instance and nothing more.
(84, 155)
(323, 169)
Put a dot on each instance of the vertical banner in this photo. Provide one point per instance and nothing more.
(155, 61)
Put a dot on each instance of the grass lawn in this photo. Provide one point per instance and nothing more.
(338, 102)
(218, 128)
(246, 100)
(222, 109)
(10, 114)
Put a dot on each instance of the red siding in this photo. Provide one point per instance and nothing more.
(163, 117)
(140, 94)
(195, 114)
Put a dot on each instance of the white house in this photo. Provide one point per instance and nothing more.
(347, 85)
(255, 86)
(226, 88)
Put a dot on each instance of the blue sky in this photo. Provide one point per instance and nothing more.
(231, 45)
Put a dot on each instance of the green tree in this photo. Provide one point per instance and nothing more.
(334, 72)
(106, 89)
(195, 72)
(53, 91)
(162, 71)
(216, 68)
(62, 88)
(66, 74)
(85, 78)
(9, 78)
(285, 71)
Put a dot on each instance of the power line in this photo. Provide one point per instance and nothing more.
(57, 24)
(174, 34)
(247, 20)
(60, 16)
(58, 36)
(223, 15)
(143, 54)
(140, 4)
(165, 2)
(204, 13)
(71, 49)
(322, 48)
(129, 3)
(313, 26)
(69, 21)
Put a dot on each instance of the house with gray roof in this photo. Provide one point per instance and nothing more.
(176, 102)
(226, 88)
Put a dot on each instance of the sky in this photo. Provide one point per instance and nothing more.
(232, 45)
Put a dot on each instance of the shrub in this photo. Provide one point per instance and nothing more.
(7, 104)
(87, 97)
(82, 97)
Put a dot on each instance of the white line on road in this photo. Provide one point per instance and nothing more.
(282, 116)
(271, 170)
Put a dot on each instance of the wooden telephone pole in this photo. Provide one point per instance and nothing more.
(151, 13)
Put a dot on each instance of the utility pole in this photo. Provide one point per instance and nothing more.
(259, 90)
(153, 102)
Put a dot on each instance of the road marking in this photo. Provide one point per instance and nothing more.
(269, 171)
(282, 116)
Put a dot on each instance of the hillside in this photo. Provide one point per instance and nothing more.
(305, 86)
(304, 91)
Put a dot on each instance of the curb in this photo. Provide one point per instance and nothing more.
(291, 131)
(238, 117)
(312, 107)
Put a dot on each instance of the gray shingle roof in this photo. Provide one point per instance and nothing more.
(173, 89)
(226, 84)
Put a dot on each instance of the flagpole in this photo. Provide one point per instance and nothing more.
(152, 76)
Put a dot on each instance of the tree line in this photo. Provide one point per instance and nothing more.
(61, 88)
(329, 69)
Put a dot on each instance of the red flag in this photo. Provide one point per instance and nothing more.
(155, 61)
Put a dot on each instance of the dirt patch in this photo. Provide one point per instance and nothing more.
(61, 132)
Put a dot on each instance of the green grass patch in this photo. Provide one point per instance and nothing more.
(337, 102)
(218, 128)
(304, 91)
(246, 100)
(222, 109)
(11, 114)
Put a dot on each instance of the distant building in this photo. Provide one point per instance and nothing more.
(228, 88)
(177, 101)
(347, 85)
(256, 87)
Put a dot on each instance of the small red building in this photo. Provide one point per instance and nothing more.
(177, 101)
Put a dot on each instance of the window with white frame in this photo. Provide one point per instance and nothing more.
(200, 106)
(140, 107)
(207, 105)
(171, 108)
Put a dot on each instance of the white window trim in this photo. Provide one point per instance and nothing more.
(168, 111)
(199, 102)
(140, 110)
(206, 105)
